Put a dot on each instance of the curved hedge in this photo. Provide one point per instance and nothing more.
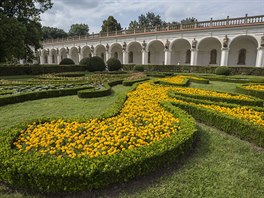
(131, 82)
(16, 98)
(255, 93)
(49, 174)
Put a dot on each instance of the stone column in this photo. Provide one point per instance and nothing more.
(59, 58)
(107, 55)
(50, 58)
(260, 57)
(21, 61)
(42, 59)
(125, 57)
(224, 56)
(80, 56)
(167, 60)
(144, 57)
(194, 56)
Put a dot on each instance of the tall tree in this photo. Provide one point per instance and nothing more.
(78, 29)
(53, 33)
(189, 20)
(20, 28)
(110, 25)
(147, 20)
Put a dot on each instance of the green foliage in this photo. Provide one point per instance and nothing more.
(85, 61)
(67, 61)
(53, 33)
(131, 82)
(147, 20)
(48, 174)
(10, 70)
(22, 97)
(113, 64)
(234, 126)
(96, 63)
(189, 20)
(138, 68)
(78, 29)
(20, 28)
(222, 70)
(110, 25)
(255, 93)
(94, 93)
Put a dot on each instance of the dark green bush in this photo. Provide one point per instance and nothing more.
(85, 61)
(222, 70)
(138, 68)
(67, 61)
(96, 64)
(113, 64)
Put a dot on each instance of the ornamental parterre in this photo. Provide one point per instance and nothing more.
(141, 121)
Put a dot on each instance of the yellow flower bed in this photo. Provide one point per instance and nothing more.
(175, 79)
(259, 87)
(140, 122)
(202, 92)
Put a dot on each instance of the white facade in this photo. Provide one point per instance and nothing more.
(229, 42)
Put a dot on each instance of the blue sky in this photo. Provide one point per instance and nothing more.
(93, 12)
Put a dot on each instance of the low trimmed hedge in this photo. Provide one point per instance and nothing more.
(9, 70)
(45, 173)
(131, 82)
(161, 82)
(242, 129)
(93, 93)
(16, 98)
(255, 93)
(255, 102)
(70, 74)
(159, 74)
(232, 79)
(258, 71)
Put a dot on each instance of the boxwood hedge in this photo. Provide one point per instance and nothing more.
(255, 93)
(45, 173)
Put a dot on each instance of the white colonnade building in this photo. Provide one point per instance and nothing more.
(225, 42)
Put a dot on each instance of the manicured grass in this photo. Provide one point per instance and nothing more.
(65, 107)
(216, 86)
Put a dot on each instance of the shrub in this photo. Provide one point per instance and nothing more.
(138, 68)
(67, 61)
(113, 64)
(85, 61)
(223, 71)
(96, 64)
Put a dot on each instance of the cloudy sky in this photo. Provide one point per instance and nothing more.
(93, 12)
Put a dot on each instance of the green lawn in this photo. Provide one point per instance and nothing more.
(219, 166)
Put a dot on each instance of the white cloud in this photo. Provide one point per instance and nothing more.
(93, 12)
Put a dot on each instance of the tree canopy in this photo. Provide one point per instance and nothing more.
(78, 29)
(147, 20)
(53, 33)
(189, 20)
(20, 28)
(110, 25)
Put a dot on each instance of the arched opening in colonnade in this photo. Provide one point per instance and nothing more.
(63, 53)
(116, 51)
(86, 51)
(243, 51)
(100, 51)
(74, 54)
(134, 53)
(53, 54)
(180, 52)
(156, 52)
(209, 51)
(45, 56)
